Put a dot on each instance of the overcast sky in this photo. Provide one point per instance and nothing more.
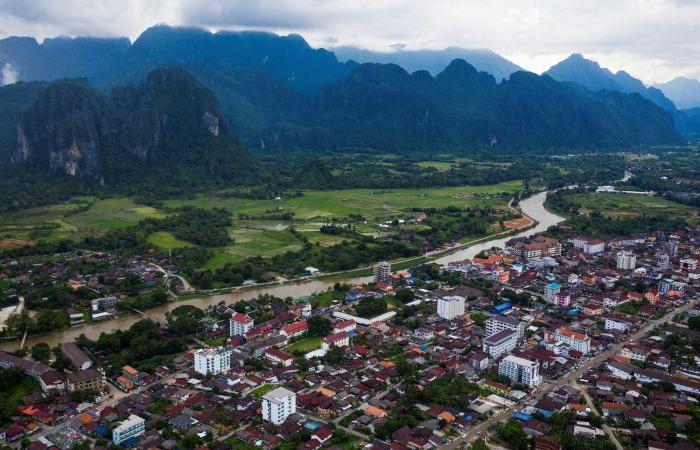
(654, 40)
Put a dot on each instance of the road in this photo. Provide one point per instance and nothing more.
(591, 405)
(570, 379)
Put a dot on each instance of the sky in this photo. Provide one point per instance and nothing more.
(654, 40)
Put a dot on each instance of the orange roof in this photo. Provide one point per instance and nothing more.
(325, 391)
(614, 405)
(374, 411)
(447, 417)
(492, 259)
(620, 359)
(387, 364)
(577, 407)
(86, 418)
(574, 334)
(130, 370)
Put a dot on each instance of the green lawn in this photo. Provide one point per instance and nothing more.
(618, 205)
(263, 389)
(165, 240)
(305, 345)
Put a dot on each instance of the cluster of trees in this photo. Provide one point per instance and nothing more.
(452, 223)
(144, 346)
(370, 307)
(14, 384)
(197, 225)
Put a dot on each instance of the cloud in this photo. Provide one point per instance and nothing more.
(9, 74)
(652, 39)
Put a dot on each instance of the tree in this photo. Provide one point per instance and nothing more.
(405, 296)
(513, 434)
(319, 326)
(694, 323)
(479, 444)
(41, 352)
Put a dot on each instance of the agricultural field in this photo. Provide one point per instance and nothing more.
(620, 205)
(371, 203)
(254, 231)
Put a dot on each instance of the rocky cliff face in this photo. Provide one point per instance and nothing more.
(73, 130)
(64, 130)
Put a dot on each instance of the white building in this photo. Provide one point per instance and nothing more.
(240, 324)
(520, 370)
(550, 291)
(382, 272)
(212, 361)
(278, 404)
(499, 322)
(450, 307)
(341, 339)
(131, 427)
(612, 323)
(590, 246)
(574, 339)
(626, 260)
(500, 343)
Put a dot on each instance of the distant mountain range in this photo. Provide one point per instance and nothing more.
(684, 92)
(590, 75)
(434, 61)
(152, 106)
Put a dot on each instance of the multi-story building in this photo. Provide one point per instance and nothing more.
(550, 291)
(562, 299)
(575, 340)
(76, 356)
(499, 322)
(90, 380)
(450, 307)
(240, 324)
(539, 247)
(626, 260)
(278, 356)
(132, 427)
(382, 272)
(500, 343)
(666, 286)
(278, 404)
(295, 329)
(520, 370)
(212, 361)
(341, 339)
(590, 246)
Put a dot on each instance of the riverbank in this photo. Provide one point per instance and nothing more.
(532, 207)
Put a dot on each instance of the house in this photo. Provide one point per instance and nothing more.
(76, 356)
(278, 356)
(576, 340)
(500, 343)
(341, 339)
(295, 329)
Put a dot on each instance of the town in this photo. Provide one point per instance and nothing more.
(551, 342)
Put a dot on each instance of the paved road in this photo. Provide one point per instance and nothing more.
(570, 379)
(591, 405)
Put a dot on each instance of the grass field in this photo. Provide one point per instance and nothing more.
(619, 205)
(85, 216)
(262, 390)
(305, 345)
(371, 203)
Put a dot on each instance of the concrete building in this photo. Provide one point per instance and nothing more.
(499, 322)
(132, 427)
(500, 343)
(90, 380)
(341, 339)
(550, 291)
(539, 247)
(450, 307)
(278, 404)
(212, 361)
(576, 340)
(76, 356)
(626, 260)
(520, 370)
(666, 286)
(240, 324)
(382, 272)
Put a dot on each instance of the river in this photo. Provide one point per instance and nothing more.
(532, 206)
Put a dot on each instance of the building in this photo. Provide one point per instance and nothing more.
(520, 370)
(499, 322)
(539, 247)
(382, 272)
(574, 339)
(590, 246)
(102, 303)
(626, 260)
(212, 361)
(500, 343)
(295, 329)
(341, 339)
(132, 427)
(278, 356)
(450, 307)
(550, 291)
(562, 299)
(346, 325)
(90, 380)
(76, 356)
(688, 264)
(240, 324)
(278, 404)
(666, 286)
(49, 379)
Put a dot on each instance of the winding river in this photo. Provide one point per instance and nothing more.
(532, 206)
